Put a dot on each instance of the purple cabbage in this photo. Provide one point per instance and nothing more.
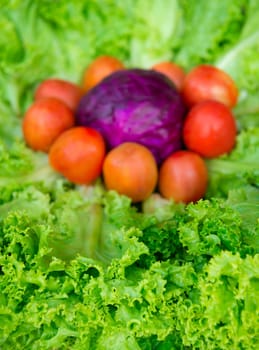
(135, 105)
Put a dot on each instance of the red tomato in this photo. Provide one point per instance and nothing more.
(65, 91)
(131, 170)
(78, 154)
(183, 177)
(172, 71)
(207, 82)
(44, 121)
(99, 69)
(210, 129)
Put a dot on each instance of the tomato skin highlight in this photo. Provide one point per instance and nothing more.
(206, 82)
(99, 69)
(173, 71)
(131, 170)
(210, 129)
(44, 121)
(63, 90)
(78, 155)
(183, 177)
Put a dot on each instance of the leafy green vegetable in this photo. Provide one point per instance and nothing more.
(245, 200)
(211, 29)
(241, 62)
(19, 164)
(227, 316)
(71, 35)
(156, 32)
(125, 299)
(237, 169)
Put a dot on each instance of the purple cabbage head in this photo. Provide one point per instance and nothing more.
(135, 105)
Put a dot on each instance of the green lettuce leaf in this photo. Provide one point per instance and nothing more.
(20, 165)
(210, 28)
(227, 316)
(236, 169)
(70, 290)
(245, 200)
(71, 36)
(156, 32)
(240, 61)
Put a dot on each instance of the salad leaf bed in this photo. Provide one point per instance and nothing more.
(82, 268)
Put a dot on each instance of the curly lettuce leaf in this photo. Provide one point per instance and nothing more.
(227, 314)
(86, 304)
(83, 304)
(70, 288)
(196, 233)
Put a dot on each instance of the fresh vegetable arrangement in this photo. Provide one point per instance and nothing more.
(129, 175)
(140, 118)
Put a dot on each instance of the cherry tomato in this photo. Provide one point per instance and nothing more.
(44, 121)
(172, 71)
(183, 177)
(65, 91)
(206, 82)
(131, 170)
(210, 129)
(99, 69)
(78, 154)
